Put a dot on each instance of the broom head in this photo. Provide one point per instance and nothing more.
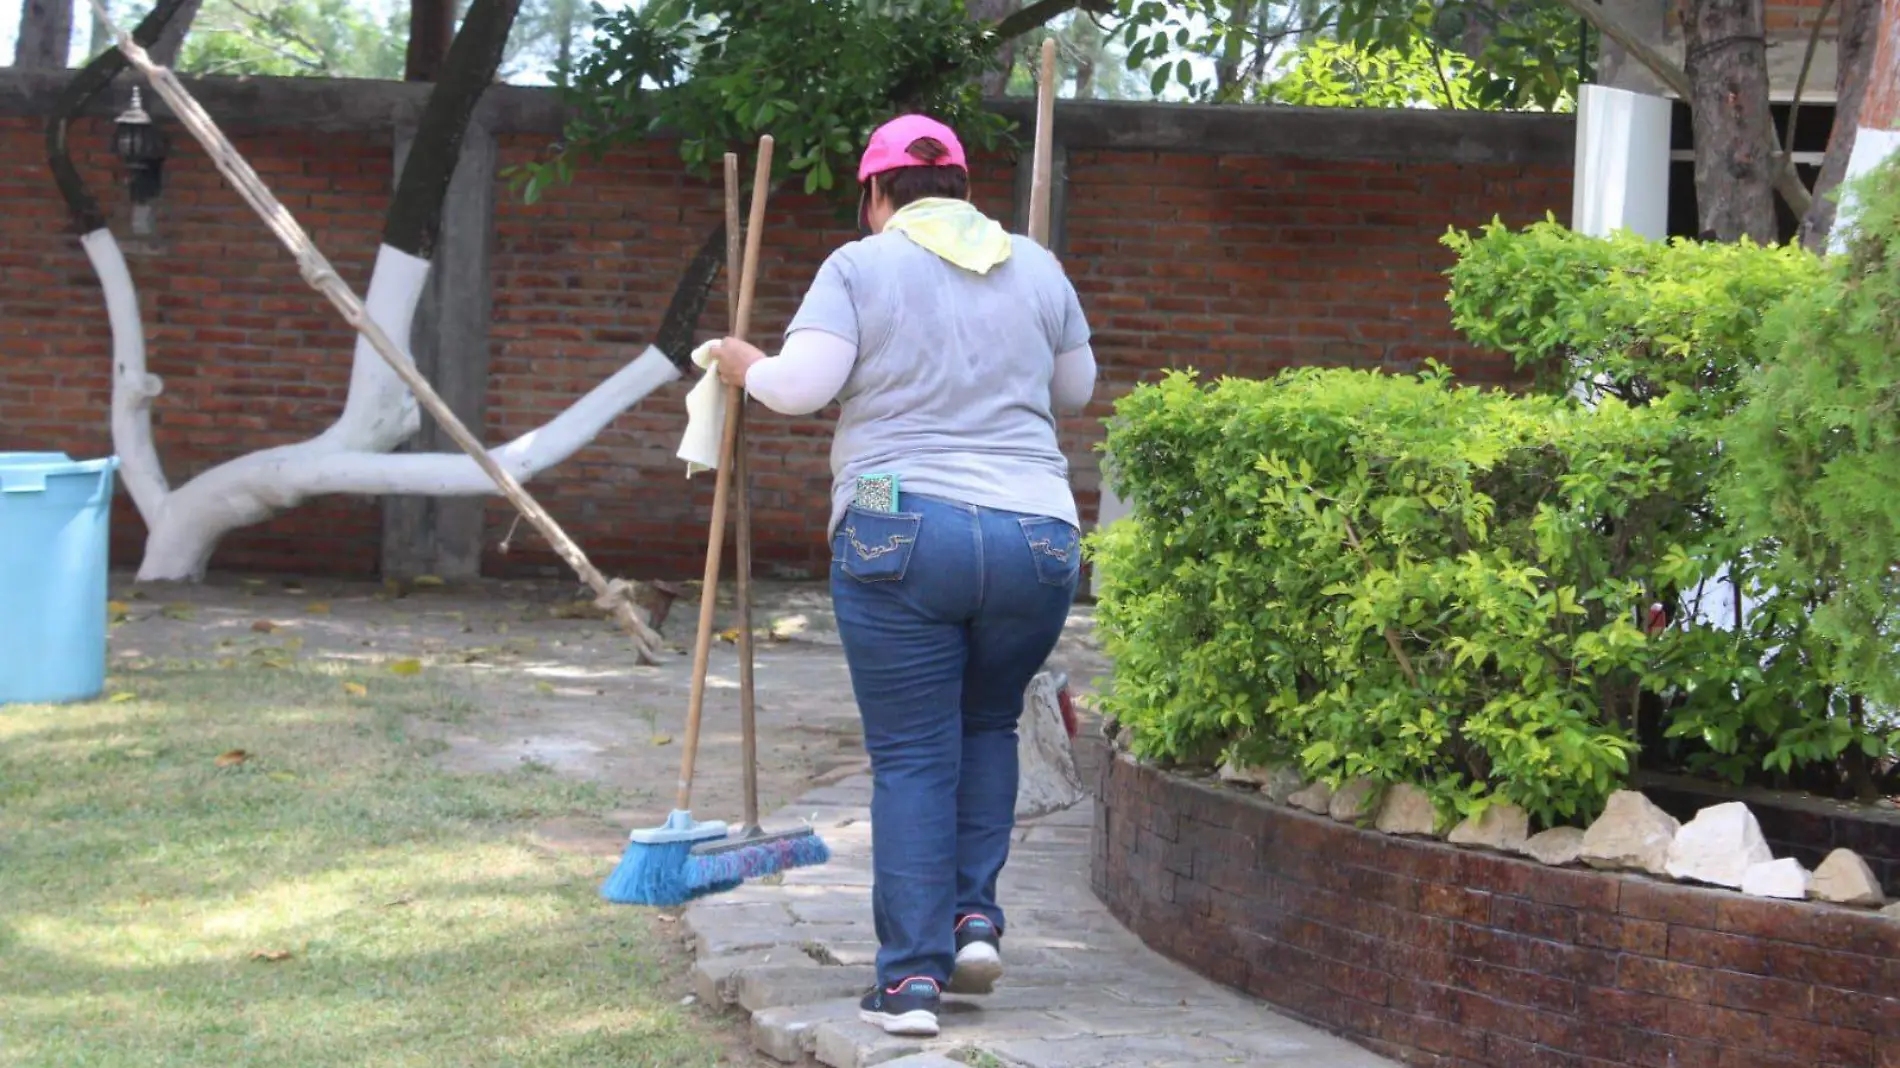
(653, 870)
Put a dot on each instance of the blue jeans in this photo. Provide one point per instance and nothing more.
(946, 611)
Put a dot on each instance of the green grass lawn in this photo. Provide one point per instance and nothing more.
(145, 889)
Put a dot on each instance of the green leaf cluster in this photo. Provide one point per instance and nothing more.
(1746, 342)
(1530, 55)
(1339, 74)
(1398, 578)
(817, 75)
(1813, 462)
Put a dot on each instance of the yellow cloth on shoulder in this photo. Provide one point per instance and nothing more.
(954, 230)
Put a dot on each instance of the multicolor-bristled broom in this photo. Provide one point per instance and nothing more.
(684, 859)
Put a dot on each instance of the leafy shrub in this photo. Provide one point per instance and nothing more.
(1391, 577)
(1622, 316)
(1638, 320)
(1814, 472)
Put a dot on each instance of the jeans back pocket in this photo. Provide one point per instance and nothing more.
(1056, 549)
(875, 546)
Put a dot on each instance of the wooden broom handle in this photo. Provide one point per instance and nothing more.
(1043, 161)
(722, 483)
(742, 548)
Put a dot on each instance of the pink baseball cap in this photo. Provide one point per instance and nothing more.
(890, 146)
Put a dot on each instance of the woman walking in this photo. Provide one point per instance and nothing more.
(950, 346)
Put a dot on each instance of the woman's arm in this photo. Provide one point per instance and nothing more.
(805, 376)
(1074, 381)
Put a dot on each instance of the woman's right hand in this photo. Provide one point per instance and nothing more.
(733, 358)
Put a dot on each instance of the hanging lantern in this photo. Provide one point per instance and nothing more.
(141, 147)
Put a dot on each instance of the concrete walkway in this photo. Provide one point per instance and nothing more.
(1080, 991)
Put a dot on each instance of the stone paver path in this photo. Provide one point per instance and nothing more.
(1080, 991)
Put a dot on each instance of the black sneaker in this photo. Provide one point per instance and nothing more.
(908, 1008)
(979, 956)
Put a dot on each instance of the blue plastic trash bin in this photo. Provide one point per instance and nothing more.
(55, 515)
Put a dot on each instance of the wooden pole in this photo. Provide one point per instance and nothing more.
(1044, 158)
(742, 532)
(722, 486)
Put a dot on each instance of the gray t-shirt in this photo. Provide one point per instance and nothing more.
(951, 388)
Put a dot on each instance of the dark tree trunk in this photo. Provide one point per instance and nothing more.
(81, 209)
(1728, 72)
(431, 29)
(1233, 49)
(1477, 32)
(681, 322)
(996, 82)
(415, 213)
(46, 34)
(165, 52)
(1854, 54)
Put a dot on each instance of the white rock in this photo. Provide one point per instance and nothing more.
(1246, 774)
(1556, 847)
(1500, 826)
(1778, 878)
(1047, 779)
(1631, 833)
(1315, 798)
(1354, 800)
(1718, 846)
(1283, 782)
(1406, 809)
(1845, 879)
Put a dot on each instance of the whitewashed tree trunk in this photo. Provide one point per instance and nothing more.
(352, 456)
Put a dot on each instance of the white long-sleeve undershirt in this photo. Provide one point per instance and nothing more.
(809, 371)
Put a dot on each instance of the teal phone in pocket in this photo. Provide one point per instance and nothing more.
(876, 493)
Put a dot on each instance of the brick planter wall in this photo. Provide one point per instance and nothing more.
(1451, 957)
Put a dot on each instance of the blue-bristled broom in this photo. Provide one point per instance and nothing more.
(682, 858)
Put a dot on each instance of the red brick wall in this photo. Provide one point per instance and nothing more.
(1449, 957)
(1235, 264)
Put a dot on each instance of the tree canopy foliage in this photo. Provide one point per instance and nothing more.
(816, 75)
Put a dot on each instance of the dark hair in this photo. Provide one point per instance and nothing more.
(905, 184)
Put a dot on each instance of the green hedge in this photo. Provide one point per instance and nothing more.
(1408, 580)
(1392, 577)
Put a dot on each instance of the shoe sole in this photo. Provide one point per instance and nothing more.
(978, 968)
(918, 1022)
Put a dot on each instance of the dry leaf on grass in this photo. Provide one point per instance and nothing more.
(231, 758)
(116, 611)
(426, 582)
(318, 608)
(271, 956)
(121, 697)
(263, 626)
(356, 689)
(543, 687)
(410, 666)
(662, 739)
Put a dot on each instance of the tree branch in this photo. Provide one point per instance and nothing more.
(681, 322)
(1043, 12)
(1672, 75)
(92, 80)
(1801, 82)
(172, 40)
(1853, 58)
(415, 213)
